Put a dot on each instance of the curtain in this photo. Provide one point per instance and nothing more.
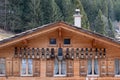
(30, 66)
(24, 64)
(56, 67)
(117, 66)
(63, 67)
(90, 67)
(96, 67)
(2, 66)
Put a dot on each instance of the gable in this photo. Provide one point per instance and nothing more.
(66, 28)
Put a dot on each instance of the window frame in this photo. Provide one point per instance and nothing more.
(60, 69)
(26, 68)
(116, 75)
(4, 66)
(93, 62)
(66, 45)
(53, 45)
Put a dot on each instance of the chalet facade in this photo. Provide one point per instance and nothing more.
(59, 51)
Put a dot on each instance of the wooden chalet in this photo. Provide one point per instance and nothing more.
(59, 51)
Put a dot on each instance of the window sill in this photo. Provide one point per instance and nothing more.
(59, 75)
(52, 45)
(26, 75)
(117, 75)
(2, 75)
(92, 75)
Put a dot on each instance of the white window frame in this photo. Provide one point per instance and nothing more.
(26, 68)
(4, 67)
(93, 69)
(60, 68)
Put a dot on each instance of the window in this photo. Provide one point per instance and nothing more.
(93, 67)
(2, 66)
(59, 68)
(52, 41)
(117, 66)
(67, 41)
(27, 67)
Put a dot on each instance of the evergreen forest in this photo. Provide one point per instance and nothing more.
(97, 15)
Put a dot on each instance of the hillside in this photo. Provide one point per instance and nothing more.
(98, 15)
(5, 34)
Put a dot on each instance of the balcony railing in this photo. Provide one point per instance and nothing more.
(68, 53)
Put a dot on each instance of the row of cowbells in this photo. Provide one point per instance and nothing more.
(68, 53)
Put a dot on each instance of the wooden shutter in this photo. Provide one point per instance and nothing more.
(49, 68)
(16, 67)
(110, 67)
(36, 67)
(9, 67)
(103, 67)
(83, 67)
(70, 68)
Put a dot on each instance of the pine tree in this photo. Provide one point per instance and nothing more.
(99, 24)
(66, 9)
(51, 11)
(14, 21)
(110, 29)
(35, 14)
(110, 10)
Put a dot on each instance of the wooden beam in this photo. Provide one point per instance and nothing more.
(93, 43)
(60, 37)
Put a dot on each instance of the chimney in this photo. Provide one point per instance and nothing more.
(77, 18)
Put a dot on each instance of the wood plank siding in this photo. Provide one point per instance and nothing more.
(59, 52)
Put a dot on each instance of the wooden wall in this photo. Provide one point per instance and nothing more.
(42, 41)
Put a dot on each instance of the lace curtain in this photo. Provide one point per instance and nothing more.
(95, 67)
(63, 68)
(90, 67)
(56, 67)
(2, 66)
(30, 66)
(24, 64)
(117, 71)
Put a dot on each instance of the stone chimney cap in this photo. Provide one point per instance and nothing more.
(77, 10)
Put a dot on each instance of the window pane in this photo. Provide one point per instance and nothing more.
(117, 66)
(52, 41)
(29, 66)
(56, 67)
(66, 41)
(63, 68)
(95, 67)
(2, 66)
(24, 65)
(90, 67)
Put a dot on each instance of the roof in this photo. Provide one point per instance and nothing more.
(47, 25)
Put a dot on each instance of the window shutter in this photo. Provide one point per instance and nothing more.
(70, 68)
(9, 67)
(49, 68)
(36, 67)
(110, 67)
(16, 67)
(83, 67)
(103, 67)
